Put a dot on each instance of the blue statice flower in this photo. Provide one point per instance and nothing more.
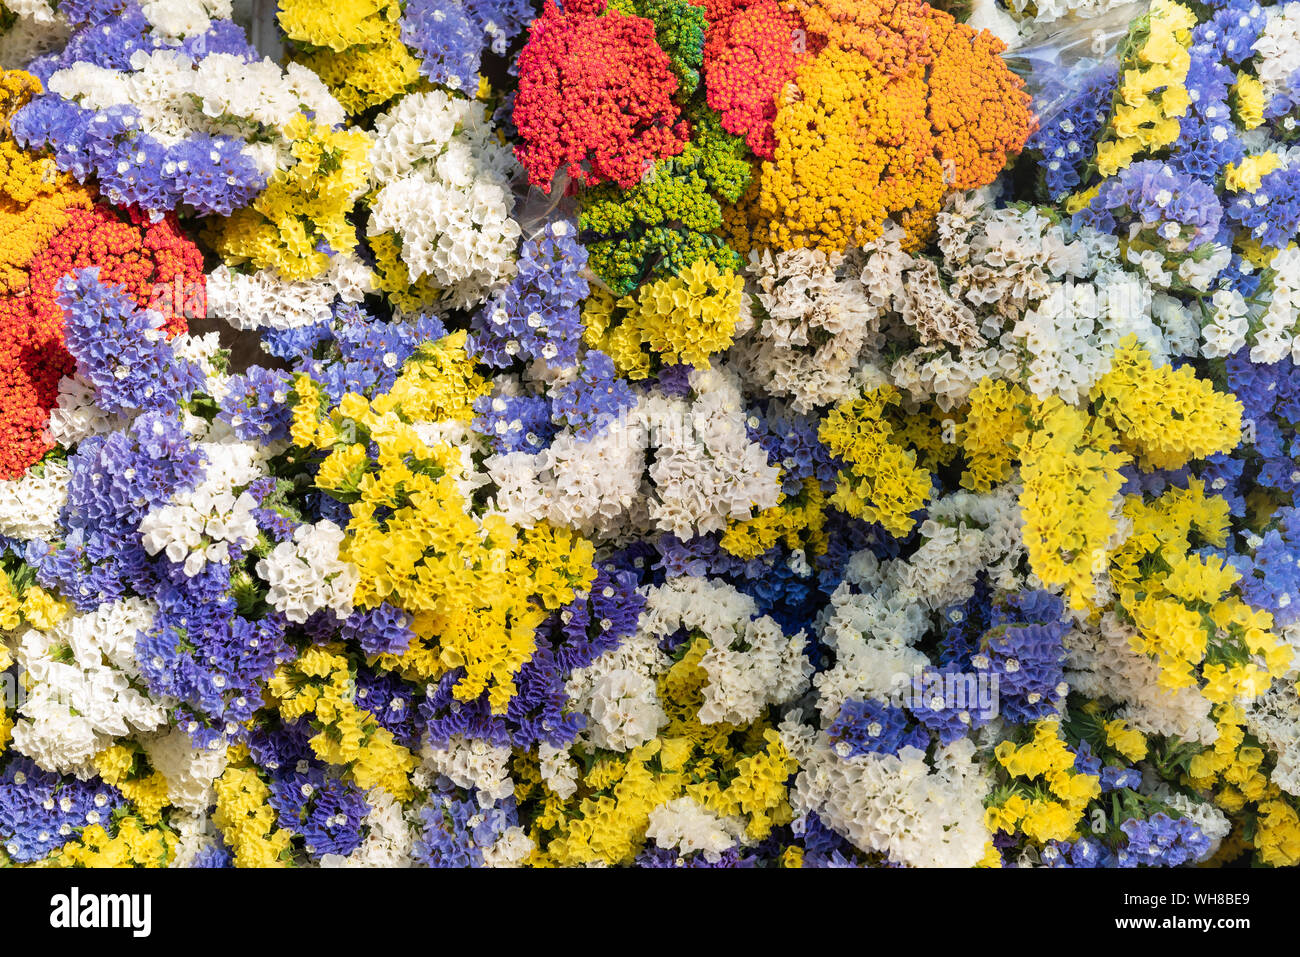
(1152, 193)
(1116, 779)
(1024, 649)
(255, 405)
(538, 315)
(449, 36)
(1270, 574)
(1208, 138)
(392, 702)
(455, 831)
(1067, 139)
(382, 630)
(791, 443)
(121, 349)
(325, 810)
(116, 479)
(515, 423)
(1271, 214)
(298, 344)
(871, 727)
(1161, 841)
(593, 399)
(1233, 30)
(214, 854)
(1085, 852)
(200, 651)
(1270, 399)
(40, 811)
(654, 856)
(365, 353)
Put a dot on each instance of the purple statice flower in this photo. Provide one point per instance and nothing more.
(326, 811)
(1271, 214)
(1270, 574)
(791, 443)
(593, 399)
(872, 727)
(382, 630)
(675, 380)
(40, 811)
(121, 349)
(1066, 139)
(1085, 852)
(116, 480)
(655, 856)
(256, 405)
(1161, 841)
(449, 36)
(538, 315)
(1174, 205)
(200, 651)
(214, 854)
(392, 702)
(515, 423)
(299, 343)
(211, 175)
(455, 831)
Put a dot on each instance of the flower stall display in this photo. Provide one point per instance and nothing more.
(650, 433)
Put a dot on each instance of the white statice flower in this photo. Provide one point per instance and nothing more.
(306, 574)
(1101, 663)
(78, 416)
(813, 327)
(199, 527)
(916, 813)
(182, 18)
(872, 633)
(618, 694)
(706, 471)
(511, 848)
(686, 826)
(750, 663)
(84, 686)
(388, 840)
(1277, 49)
(189, 771)
(1274, 718)
(1276, 337)
(264, 299)
(472, 763)
(558, 769)
(443, 187)
(30, 505)
(195, 833)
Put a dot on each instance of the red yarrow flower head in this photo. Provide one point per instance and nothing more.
(595, 97)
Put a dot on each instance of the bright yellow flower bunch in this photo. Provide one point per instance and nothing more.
(301, 217)
(355, 47)
(1049, 800)
(682, 319)
(147, 791)
(882, 482)
(245, 817)
(1152, 94)
(1165, 417)
(798, 521)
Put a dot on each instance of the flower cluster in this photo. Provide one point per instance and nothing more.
(743, 433)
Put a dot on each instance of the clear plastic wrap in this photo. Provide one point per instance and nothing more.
(1055, 58)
